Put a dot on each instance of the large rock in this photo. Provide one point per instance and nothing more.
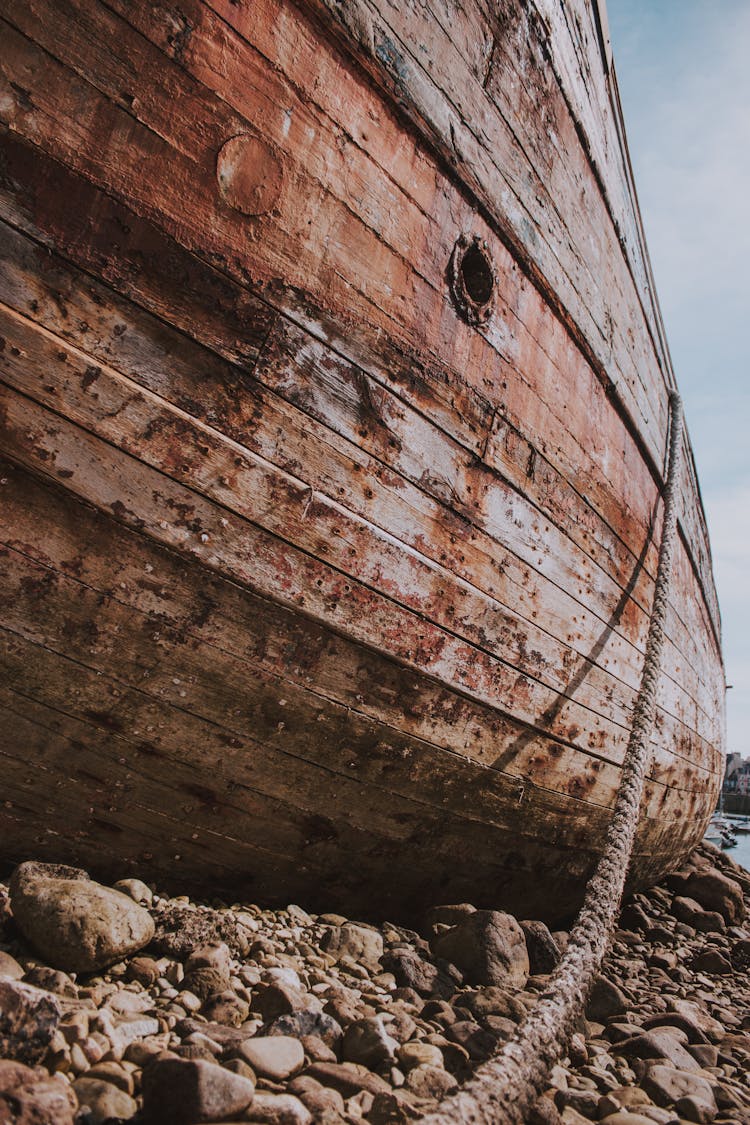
(358, 943)
(305, 1023)
(714, 891)
(30, 1097)
(413, 971)
(278, 1109)
(348, 1078)
(677, 1019)
(488, 946)
(181, 930)
(208, 969)
(281, 999)
(585, 1102)
(543, 950)
(740, 954)
(662, 1043)
(51, 980)
(104, 1100)
(491, 1001)
(145, 970)
(605, 1000)
(275, 1056)
(695, 1109)
(666, 1085)
(690, 912)
(696, 1014)
(186, 1091)
(73, 922)
(367, 1042)
(419, 1053)
(9, 967)
(227, 1008)
(136, 890)
(622, 1098)
(320, 1100)
(28, 1020)
(713, 962)
(478, 1042)
(431, 1082)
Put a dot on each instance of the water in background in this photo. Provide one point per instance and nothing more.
(740, 854)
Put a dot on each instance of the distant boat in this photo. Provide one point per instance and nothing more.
(333, 421)
(721, 831)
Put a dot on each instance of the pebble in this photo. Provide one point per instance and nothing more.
(543, 950)
(208, 969)
(279, 1109)
(103, 1099)
(76, 924)
(419, 1053)
(33, 1097)
(488, 946)
(136, 890)
(183, 1091)
(28, 1020)
(277, 1056)
(666, 1085)
(252, 1014)
(714, 891)
(367, 1042)
(9, 967)
(359, 943)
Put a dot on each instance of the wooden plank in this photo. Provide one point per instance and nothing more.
(188, 471)
(197, 455)
(241, 550)
(266, 638)
(611, 321)
(90, 695)
(192, 833)
(553, 383)
(120, 340)
(454, 112)
(173, 676)
(214, 38)
(124, 338)
(570, 37)
(533, 110)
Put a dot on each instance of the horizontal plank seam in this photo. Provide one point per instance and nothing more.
(539, 281)
(588, 753)
(509, 483)
(209, 430)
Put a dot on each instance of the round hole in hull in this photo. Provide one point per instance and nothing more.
(472, 279)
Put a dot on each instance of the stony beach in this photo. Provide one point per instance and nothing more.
(122, 1004)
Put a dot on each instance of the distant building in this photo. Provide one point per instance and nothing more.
(737, 774)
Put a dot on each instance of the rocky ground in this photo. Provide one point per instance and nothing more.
(125, 1005)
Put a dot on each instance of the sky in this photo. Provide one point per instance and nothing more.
(684, 78)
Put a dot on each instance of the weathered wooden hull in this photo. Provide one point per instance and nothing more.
(326, 571)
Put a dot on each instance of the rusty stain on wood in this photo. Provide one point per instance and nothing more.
(332, 416)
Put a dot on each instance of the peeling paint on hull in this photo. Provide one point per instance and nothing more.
(333, 406)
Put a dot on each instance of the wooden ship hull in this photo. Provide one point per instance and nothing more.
(333, 419)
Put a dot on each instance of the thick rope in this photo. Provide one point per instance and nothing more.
(503, 1089)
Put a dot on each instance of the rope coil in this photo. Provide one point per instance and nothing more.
(503, 1089)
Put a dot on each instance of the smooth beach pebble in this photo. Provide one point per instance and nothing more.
(287, 1017)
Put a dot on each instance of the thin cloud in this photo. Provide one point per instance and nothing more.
(685, 85)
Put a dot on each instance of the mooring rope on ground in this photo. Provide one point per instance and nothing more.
(504, 1088)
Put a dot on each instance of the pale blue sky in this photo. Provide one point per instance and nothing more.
(684, 77)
